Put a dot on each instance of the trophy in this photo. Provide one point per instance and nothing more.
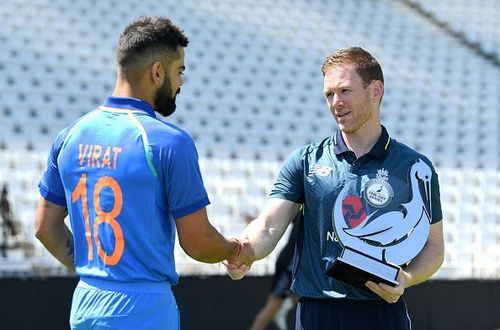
(381, 223)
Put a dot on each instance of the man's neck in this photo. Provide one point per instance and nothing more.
(124, 89)
(362, 141)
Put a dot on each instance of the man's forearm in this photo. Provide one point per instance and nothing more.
(425, 264)
(262, 237)
(265, 231)
(59, 242)
(262, 234)
(215, 248)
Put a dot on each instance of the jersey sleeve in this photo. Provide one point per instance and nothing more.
(182, 177)
(50, 186)
(290, 182)
(434, 206)
(436, 211)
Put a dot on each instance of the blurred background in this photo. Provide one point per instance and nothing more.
(253, 94)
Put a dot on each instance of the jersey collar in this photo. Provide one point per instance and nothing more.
(379, 150)
(129, 103)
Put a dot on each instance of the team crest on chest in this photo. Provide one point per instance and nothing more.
(378, 191)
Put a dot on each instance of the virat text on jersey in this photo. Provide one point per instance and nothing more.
(94, 156)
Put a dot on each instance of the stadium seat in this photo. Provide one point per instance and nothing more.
(253, 94)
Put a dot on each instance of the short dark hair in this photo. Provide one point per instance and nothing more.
(367, 67)
(146, 39)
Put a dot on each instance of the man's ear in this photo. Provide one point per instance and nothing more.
(157, 73)
(377, 89)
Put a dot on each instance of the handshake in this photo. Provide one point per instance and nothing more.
(237, 266)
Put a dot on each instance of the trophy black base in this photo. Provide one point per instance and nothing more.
(355, 268)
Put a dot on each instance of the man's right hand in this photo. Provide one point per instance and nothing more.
(239, 265)
(236, 272)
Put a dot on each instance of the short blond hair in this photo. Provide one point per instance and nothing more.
(367, 67)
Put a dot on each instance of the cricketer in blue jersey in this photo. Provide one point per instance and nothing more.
(128, 181)
(316, 175)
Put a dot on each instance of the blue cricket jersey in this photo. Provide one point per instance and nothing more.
(124, 176)
(315, 175)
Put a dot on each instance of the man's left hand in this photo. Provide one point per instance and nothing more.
(389, 293)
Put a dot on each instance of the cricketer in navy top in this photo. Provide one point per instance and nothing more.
(316, 174)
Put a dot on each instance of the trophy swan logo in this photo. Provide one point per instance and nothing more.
(390, 228)
(381, 231)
